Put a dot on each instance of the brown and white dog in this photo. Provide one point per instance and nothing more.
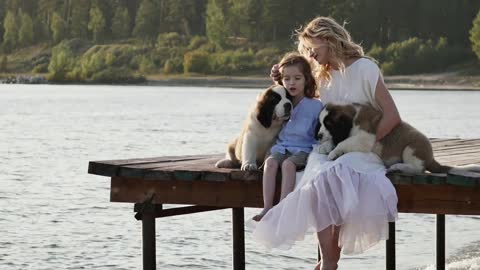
(264, 121)
(352, 128)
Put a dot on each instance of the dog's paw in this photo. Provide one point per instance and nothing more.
(322, 148)
(393, 168)
(334, 154)
(225, 163)
(249, 167)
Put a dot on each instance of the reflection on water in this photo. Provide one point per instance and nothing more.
(55, 215)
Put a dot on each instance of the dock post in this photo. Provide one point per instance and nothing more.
(391, 247)
(146, 212)
(440, 243)
(238, 221)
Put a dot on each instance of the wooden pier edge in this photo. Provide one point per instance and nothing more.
(193, 180)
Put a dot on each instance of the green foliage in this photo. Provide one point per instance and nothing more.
(60, 63)
(41, 30)
(117, 75)
(146, 26)
(58, 28)
(106, 64)
(11, 30)
(174, 65)
(178, 16)
(121, 23)
(170, 40)
(146, 65)
(196, 42)
(217, 31)
(231, 62)
(41, 68)
(3, 63)
(97, 23)
(196, 62)
(240, 37)
(80, 17)
(267, 57)
(475, 35)
(25, 35)
(415, 55)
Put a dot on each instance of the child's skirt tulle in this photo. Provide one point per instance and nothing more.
(352, 192)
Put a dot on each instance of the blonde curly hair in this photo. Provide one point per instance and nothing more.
(340, 45)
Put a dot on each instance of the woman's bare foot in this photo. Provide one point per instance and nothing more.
(261, 214)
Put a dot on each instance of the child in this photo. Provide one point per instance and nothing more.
(297, 136)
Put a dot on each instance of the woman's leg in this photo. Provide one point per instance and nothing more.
(269, 177)
(288, 178)
(328, 239)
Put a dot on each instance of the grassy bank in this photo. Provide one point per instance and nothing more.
(34, 61)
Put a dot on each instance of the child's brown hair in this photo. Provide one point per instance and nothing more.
(296, 59)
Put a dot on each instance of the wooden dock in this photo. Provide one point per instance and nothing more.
(194, 180)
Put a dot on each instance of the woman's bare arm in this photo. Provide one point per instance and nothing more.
(391, 117)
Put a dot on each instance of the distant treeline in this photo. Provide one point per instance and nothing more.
(228, 36)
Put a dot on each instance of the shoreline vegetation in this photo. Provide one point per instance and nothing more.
(434, 81)
(440, 81)
(218, 43)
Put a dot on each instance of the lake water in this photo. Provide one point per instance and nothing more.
(53, 215)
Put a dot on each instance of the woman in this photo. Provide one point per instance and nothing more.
(349, 201)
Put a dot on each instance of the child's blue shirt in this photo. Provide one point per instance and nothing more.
(298, 133)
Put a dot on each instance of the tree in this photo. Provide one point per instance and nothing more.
(60, 63)
(217, 31)
(178, 15)
(3, 64)
(146, 26)
(274, 24)
(79, 17)
(25, 35)
(97, 23)
(58, 28)
(11, 29)
(475, 35)
(121, 23)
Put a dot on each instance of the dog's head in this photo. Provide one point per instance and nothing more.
(273, 104)
(335, 123)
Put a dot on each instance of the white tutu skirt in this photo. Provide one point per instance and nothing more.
(352, 192)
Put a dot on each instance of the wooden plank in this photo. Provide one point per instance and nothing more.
(207, 193)
(413, 198)
(438, 199)
(111, 167)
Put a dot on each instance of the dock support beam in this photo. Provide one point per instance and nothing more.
(440, 243)
(391, 247)
(148, 237)
(238, 221)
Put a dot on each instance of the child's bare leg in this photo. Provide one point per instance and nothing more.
(328, 239)
(269, 177)
(288, 178)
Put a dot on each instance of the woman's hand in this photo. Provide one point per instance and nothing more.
(275, 74)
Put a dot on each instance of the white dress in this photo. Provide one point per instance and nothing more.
(351, 191)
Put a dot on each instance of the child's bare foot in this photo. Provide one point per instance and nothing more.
(260, 216)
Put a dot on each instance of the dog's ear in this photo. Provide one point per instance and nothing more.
(265, 113)
(317, 129)
(342, 127)
(368, 118)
